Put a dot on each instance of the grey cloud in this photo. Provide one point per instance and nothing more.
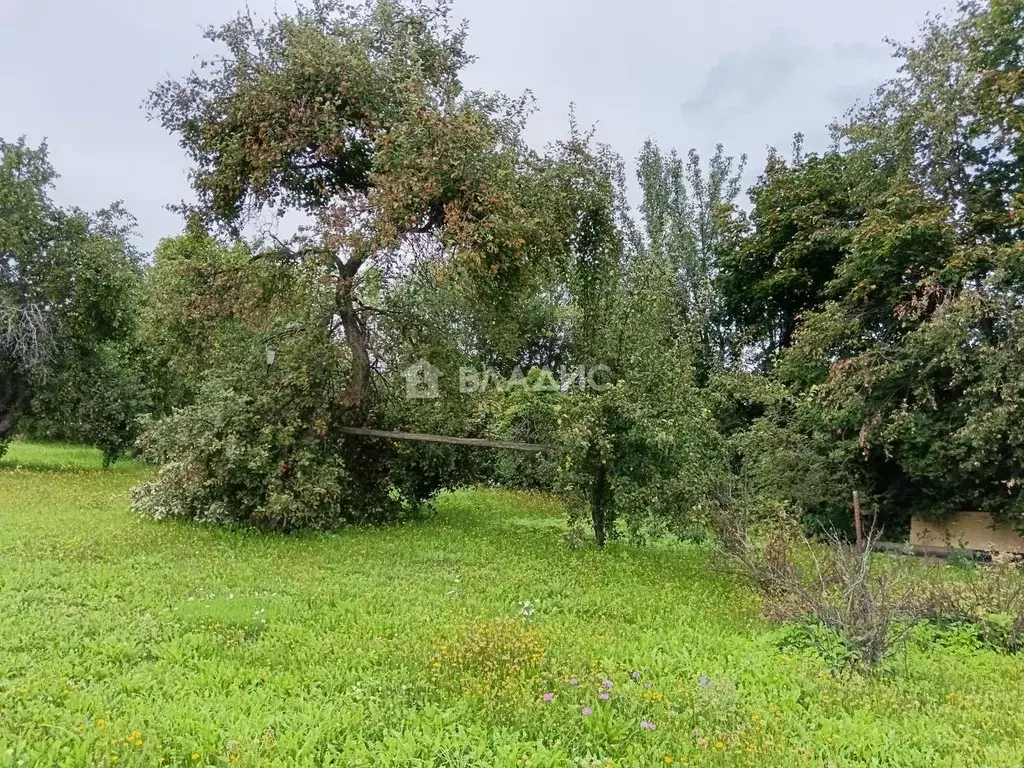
(750, 76)
(781, 67)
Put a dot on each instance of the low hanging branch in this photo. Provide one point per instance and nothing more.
(472, 442)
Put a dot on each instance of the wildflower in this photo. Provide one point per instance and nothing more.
(587, 712)
(668, 759)
(647, 725)
(704, 681)
(607, 683)
(636, 675)
(719, 745)
(196, 755)
(702, 742)
(549, 697)
(574, 681)
(605, 696)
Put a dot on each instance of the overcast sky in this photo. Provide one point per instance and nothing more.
(688, 73)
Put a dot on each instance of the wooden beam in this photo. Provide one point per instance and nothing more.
(941, 552)
(471, 442)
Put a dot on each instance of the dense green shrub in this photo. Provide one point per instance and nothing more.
(270, 460)
(237, 457)
(637, 462)
(526, 412)
(261, 445)
(112, 392)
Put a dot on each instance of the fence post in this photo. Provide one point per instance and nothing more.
(857, 523)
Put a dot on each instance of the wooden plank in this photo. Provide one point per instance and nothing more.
(471, 442)
(922, 551)
(967, 530)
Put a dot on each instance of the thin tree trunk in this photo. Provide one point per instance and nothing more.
(13, 404)
(599, 506)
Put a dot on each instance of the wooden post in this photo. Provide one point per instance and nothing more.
(857, 523)
(472, 442)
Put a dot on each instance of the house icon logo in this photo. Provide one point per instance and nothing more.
(422, 381)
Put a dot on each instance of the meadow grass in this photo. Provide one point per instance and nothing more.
(129, 642)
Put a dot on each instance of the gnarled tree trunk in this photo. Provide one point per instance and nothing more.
(356, 337)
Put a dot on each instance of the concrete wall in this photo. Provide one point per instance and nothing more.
(970, 530)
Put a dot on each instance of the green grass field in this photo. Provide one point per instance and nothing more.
(128, 642)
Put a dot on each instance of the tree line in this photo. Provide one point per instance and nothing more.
(853, 322)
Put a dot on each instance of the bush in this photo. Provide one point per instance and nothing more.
(991, 601)
(835, 591)
(235, 458)
(417, 472)
(97, 404)
(634, 459)
(264, 448)
(526, 413)
(835, 586)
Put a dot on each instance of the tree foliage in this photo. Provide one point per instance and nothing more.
(899, 255)
(69, 286)
(783, 255)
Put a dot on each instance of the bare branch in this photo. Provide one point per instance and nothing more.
(26, 334)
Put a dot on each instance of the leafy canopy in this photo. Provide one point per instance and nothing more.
(69, 288)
